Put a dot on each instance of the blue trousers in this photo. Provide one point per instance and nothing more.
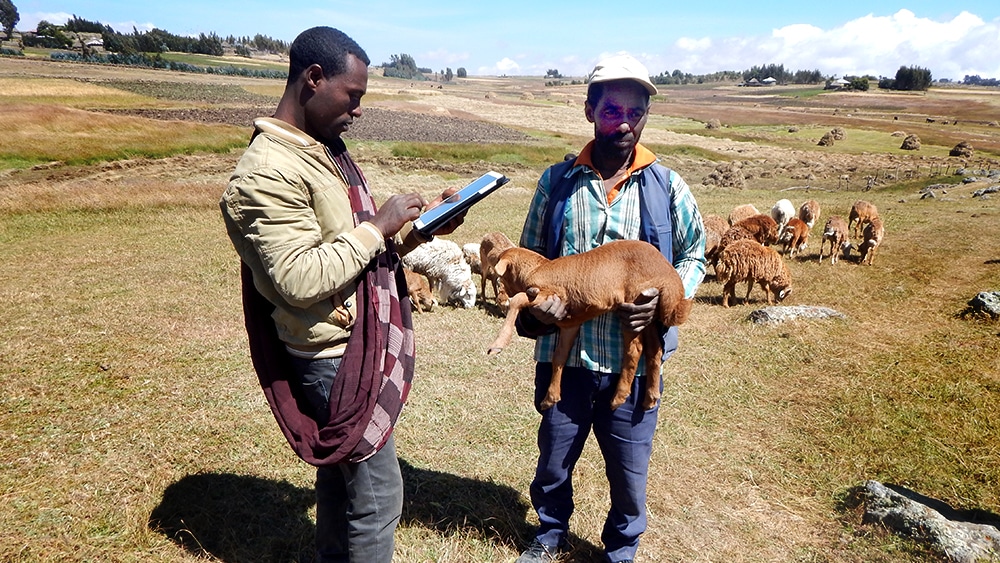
(625, 438)
(358, 505)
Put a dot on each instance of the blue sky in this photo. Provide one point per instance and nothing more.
(518, 37)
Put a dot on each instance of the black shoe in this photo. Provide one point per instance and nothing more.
(538, 552)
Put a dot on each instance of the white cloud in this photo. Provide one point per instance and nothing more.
(505, 66)
(28, 22)
(876, 45)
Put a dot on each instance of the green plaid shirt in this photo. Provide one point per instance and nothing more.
(590, 222)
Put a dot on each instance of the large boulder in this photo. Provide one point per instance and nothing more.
(911, 143)
(783, 313)
(911, 515)
(963, 149)
(986, 304)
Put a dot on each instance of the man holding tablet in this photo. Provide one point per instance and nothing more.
(615, 189)
(321, 294)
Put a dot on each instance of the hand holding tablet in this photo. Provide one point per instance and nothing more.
(433, 219)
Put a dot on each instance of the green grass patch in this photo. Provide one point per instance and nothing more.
(222, 62)
(535, 156)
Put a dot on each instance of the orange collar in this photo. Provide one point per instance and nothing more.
(641, 158)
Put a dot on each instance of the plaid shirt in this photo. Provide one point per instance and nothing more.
(590, 221)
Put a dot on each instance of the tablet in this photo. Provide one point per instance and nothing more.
(433, 219)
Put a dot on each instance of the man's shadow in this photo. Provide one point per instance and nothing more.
(240, 518)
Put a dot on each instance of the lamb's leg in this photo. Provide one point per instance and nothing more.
(652, 347)
(728, 291)
(517, 302)
(567, 335)
(633, 349)
(749, 289)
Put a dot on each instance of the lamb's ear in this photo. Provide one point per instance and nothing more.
(501, 266)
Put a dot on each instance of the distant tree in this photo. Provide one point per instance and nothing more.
(80, 25)
(859, 83)
(553, 73)
(448, 74)
(52, 36)
(403, 66)
(461, 73)
(8, 17)
(908, 78)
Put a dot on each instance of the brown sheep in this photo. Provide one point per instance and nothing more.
(873, 235)
(742, 212)
(763, 228)
(591, 284)
(419, 290)
(715, 227)
(809, 212)
(861, 212)
(490, 248)
(749, 261)
(794, 236)
(835, 231)
(471, 253)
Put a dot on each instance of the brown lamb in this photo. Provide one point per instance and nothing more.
(862, 212)
(873, 235)
(794, 236)
(419, 290)
(809, 212)
(490, 248)
(749, 261)
(591, 284)
(835, 231)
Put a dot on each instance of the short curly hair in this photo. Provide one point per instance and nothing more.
(325, 46)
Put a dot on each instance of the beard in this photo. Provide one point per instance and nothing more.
(616, 145)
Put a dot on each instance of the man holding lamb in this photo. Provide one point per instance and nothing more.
(613, 190)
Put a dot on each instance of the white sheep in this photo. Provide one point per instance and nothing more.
(470, 252)
(441, 260)
(809, 212)
(835, 231)
(781, 212)
(747, 260)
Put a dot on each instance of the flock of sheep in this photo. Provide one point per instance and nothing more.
(739, 249)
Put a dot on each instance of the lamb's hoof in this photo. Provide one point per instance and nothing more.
(618, 401)
(548, 402)
(649, 403)
(493, 351)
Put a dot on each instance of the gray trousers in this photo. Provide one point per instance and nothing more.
(358, 505)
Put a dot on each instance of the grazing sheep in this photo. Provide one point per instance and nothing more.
(861, 212)
(742, 212)
(794, 236)
(835, 231)
(809, 212)
(763, 228)
(715, 227)
(591, 284)
(749, 261)
(470, 252)
(419, 290)
(492, 245)
(873, 235)
(450, 276)
(781, 212)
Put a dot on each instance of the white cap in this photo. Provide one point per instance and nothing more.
(622, 67)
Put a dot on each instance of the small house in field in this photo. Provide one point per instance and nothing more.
(769, 81)
(837, 84)
(753, 82)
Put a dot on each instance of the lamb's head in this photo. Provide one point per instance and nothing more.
(781, 285)
(514, 267)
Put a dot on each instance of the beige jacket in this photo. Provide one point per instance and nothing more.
(287, 212)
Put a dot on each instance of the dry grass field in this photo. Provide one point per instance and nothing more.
(132, 427)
